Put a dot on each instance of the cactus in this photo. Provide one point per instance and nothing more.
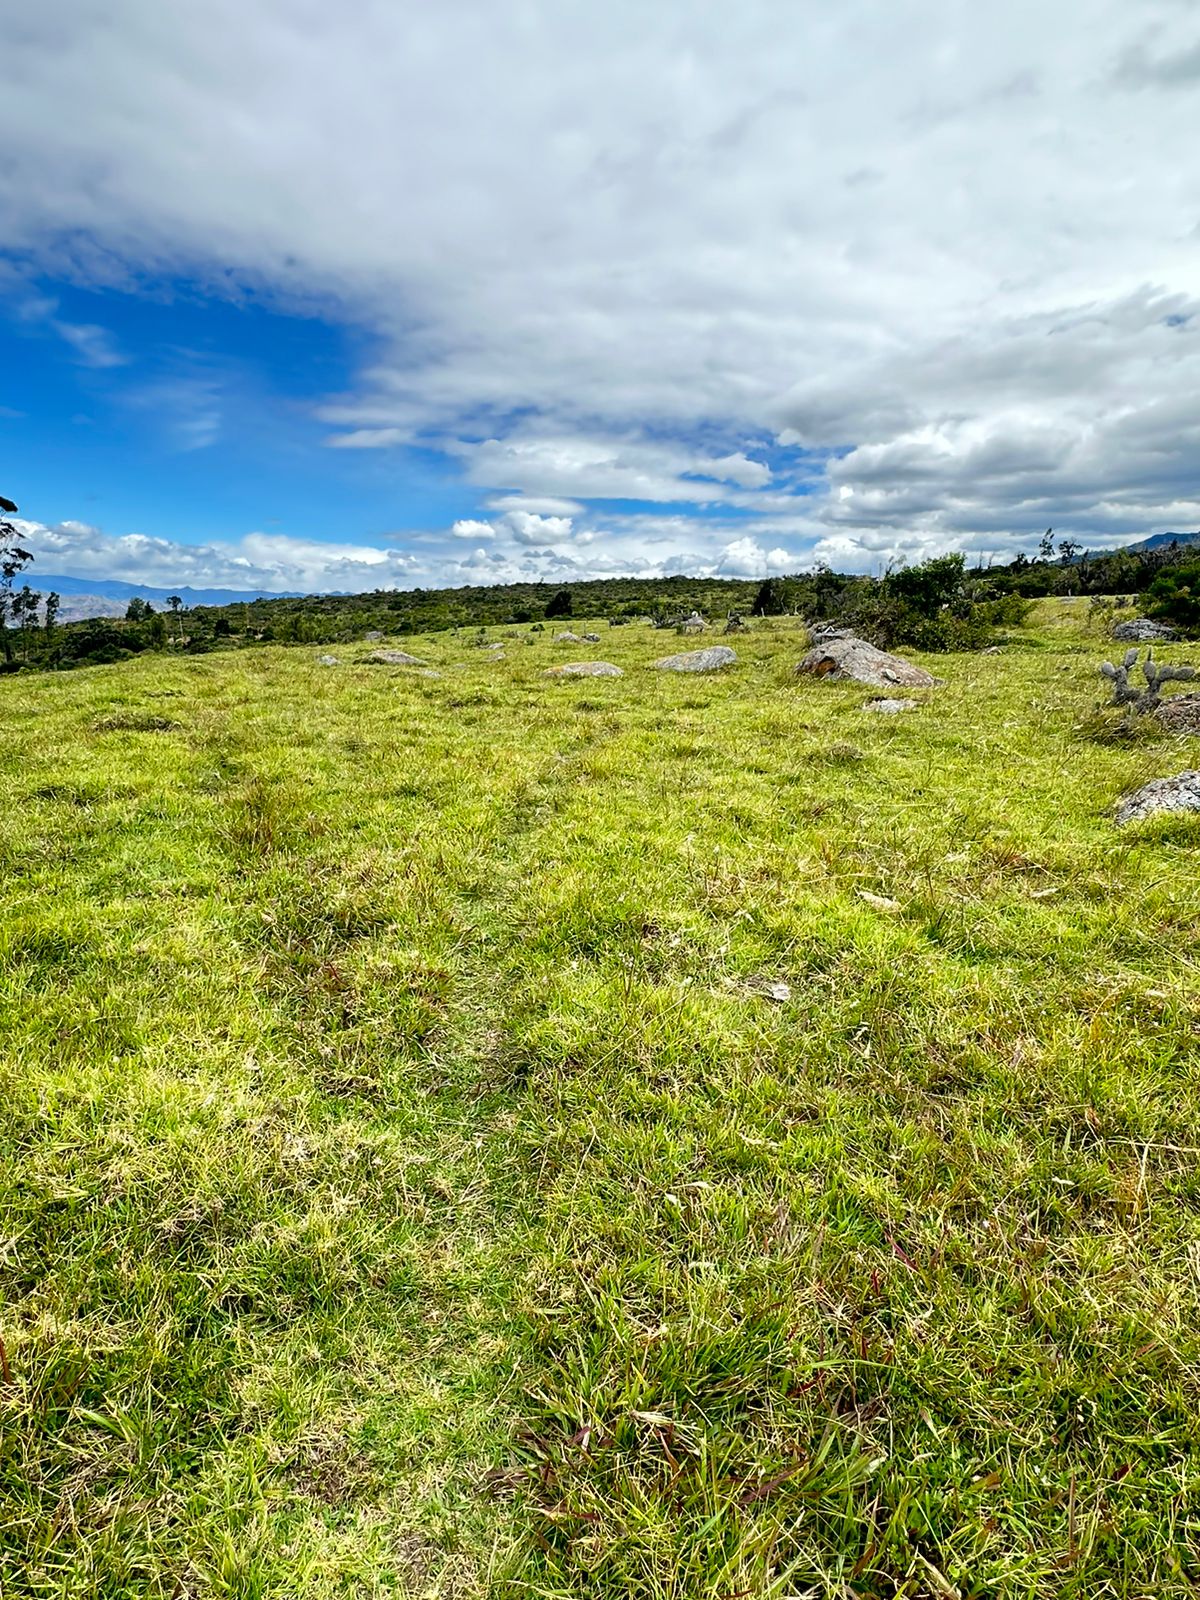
(1156, 674)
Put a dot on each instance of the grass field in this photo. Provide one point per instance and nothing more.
(409, 1186)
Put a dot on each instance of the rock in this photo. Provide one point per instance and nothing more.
(1180, 714)
(1142, 630)
(327, 661)
(1180, 793)
(710, 660)
(841, 659)
(889, 708)
(591, 638)
(693, 624)
(392, 658)
(584, 669)
(373, 637)
(567, 638)
(774, 989)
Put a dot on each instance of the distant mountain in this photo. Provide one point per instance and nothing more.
(118, 589)
(1163, 541)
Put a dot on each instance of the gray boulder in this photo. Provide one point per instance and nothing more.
(327, 661)
(1180, 793)
(584, 669)
(392, 658)
(591, 638)
(710, 660)
(567, 638)
(844, 660)
(1142, 630)
(373, 637)
(889, 708)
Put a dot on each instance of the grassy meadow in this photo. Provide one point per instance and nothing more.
(412, 1183)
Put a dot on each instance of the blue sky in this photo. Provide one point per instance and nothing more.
(317, 298)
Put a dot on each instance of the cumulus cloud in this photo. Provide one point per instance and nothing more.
(936, 250)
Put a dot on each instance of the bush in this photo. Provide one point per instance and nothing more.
(1174, 596)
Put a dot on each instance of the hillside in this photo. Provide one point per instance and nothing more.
(466, 1133)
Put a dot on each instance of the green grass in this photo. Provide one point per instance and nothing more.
(408, 1186)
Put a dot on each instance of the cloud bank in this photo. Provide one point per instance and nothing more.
(668, 284)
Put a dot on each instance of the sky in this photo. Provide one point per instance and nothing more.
(301, 296)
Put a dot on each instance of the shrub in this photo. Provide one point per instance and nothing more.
(1174, 596)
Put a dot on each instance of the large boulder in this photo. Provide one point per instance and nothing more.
(584, 669)
(1143, 630)
(392, 658)
(843, 659)
(710, 660)
(567, 637)
(1180, 793)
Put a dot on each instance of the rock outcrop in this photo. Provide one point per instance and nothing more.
(584, 669)
(710, 660)
(1142, 630)
(1180, 793)
(392, 658)
(842, 658)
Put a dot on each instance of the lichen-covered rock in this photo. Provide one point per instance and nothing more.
(567, 638)
(889, 708)
(591, 638)
(1180, 714)
(710, 660)
(584, 669)
(849, 659)
(327, 661)
(392, 658)
(1142, 630)
(1180, 793)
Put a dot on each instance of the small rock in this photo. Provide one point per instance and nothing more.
(567, 638)
(694, 623)
(392, 658)
(1142, 630)
(840, 659)
(889, 707)
(1180, 793)
(327, 661)
(774, 989)
(591, 638)
(710, 660)
(881, 902)
(584, 669)
(373, 637)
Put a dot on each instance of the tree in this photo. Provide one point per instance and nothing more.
(13, 559)
(1068, 549)
(560, 605)
(176, 604)
(53, 601)
(138, 609)
(771, 599)
(24, 613)
(1046, 547)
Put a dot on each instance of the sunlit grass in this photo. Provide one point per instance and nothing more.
(410, 1185)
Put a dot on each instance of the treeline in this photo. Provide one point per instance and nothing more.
(939, 604)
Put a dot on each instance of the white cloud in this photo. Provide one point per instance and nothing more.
(938, 246)
(470, 528)
(527, 527)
